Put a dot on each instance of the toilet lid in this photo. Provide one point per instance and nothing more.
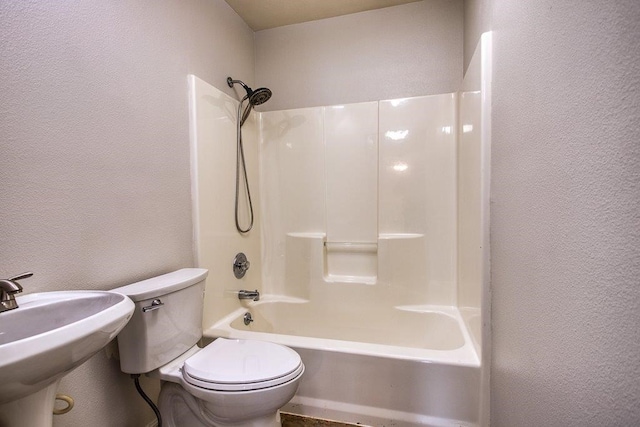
(235, 365)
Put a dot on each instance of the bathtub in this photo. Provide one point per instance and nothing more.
(402, 366)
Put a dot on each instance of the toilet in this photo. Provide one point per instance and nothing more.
(229, 382)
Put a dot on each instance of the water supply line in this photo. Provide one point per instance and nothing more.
(146, 398)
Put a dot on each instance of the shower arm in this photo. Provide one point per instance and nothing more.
(231, 82)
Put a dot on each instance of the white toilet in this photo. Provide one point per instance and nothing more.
(228, 382)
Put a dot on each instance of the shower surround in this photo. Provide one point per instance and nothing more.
(370, 254)
(357, 208)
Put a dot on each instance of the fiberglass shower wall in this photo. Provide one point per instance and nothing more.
(212, 116)
(359, 200)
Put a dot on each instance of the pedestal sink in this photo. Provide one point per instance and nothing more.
(49, 335)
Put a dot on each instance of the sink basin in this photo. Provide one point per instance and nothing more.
(52, 333)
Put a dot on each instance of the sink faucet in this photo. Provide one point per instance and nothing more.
(8, 289)
(254, 295)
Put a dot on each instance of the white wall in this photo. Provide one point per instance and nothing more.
(94, 160)
(409, 50)
(565, 214)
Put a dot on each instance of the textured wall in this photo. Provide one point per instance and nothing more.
(565, 215)
(409, 50)
(94, 164)
(477, 20)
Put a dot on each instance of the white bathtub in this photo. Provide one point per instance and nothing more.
(403, 366)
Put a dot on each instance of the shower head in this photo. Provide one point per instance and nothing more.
(260, 96)
(256, 97)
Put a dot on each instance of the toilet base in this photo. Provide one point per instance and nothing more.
(181, 409)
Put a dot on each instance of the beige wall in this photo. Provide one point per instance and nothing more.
(409, 50)
(94, 167)
(477, 20)
(565, 213)
(94, 162)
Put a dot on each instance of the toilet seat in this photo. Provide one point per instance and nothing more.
(241, 365)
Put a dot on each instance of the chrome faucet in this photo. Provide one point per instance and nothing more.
(254, 295)
(8, 290)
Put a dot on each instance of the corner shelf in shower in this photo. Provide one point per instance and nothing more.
(356, 262)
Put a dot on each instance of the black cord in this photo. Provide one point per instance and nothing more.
(146, 398)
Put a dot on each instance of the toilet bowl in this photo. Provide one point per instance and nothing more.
(227, 383)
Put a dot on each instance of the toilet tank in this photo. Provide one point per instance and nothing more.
(166, 322)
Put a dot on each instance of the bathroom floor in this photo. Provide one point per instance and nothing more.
(294, 420)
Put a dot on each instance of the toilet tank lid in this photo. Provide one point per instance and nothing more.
(162, 285)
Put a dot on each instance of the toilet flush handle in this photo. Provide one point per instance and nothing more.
(155, 304)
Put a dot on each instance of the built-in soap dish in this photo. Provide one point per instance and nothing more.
(351, 262)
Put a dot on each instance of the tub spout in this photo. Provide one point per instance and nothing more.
(254, 295)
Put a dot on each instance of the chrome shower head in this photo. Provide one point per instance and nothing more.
(260, 96)
(256, 97)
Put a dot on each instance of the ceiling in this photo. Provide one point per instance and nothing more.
(265, 14)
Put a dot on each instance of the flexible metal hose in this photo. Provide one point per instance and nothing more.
(240, 162)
